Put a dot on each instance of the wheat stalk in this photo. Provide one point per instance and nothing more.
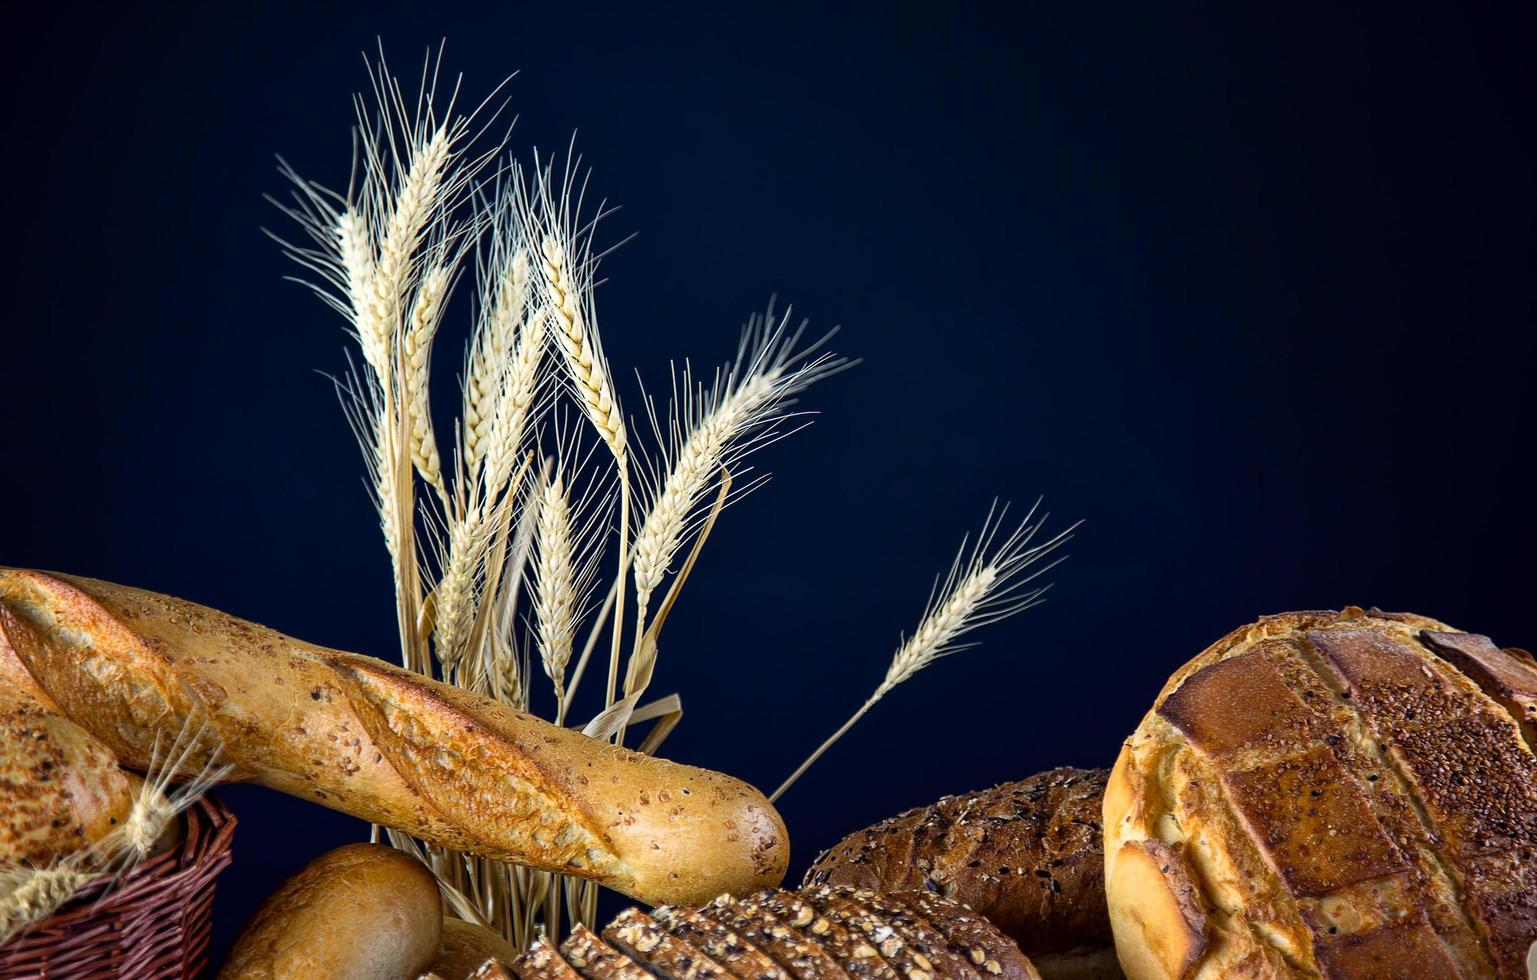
(988, 581)
(712, 429)
(568, 293)
(29, 895)
(495, 340)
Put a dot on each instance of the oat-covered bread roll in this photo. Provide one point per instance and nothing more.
(815, 934)
(384, 744)
(1329, 794)
(61, 789)
(1027, 855)
(360, 912)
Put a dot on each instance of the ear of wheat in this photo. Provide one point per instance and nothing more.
(520, 517)
(174, 780)
(992, 578)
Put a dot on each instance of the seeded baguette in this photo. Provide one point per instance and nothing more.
(389, 746)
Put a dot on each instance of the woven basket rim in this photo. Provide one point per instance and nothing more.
(92, 920)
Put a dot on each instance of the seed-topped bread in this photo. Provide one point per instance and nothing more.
(900, 937)
(1338, 794)
(794, 950)
(1027, 855)
(735, 952)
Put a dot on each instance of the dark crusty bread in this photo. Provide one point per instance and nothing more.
(1345, 794)
(836, 933)
(1027, 855)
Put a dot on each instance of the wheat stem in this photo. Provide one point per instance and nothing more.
(985, 584)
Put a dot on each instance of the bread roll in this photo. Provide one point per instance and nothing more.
(384, 744)
(1027, 855)
(818, 934)
(360, 912)
(61, 790)
(466, 946)
(1339, 794)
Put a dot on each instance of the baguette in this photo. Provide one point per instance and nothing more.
(383, 744)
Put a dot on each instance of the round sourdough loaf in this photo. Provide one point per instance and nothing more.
(360, 912)
(1348, 794)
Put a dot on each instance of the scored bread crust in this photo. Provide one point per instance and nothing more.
(1328, 794)
(381, 743)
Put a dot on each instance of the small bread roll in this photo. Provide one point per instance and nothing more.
(466, 946)
(60, 789)
(360, 912)
(1343, 794)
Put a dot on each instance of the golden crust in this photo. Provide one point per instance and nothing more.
(1345, 797)
(359, 912)
(389, 746)
(466, 946)
(61, 790)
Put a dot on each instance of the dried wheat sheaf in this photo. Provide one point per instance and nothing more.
(510, 506)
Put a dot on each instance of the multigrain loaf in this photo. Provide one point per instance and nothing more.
(834, 934)
(381, 743)
(1343, 794)
(360, 912)
(1027, 855)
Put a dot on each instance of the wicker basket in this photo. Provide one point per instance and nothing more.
(151, 923)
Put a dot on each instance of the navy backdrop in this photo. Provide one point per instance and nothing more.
(1248, 288)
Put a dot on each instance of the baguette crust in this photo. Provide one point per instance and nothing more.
(389, 746)
(1329, 794)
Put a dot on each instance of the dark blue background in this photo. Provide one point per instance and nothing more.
(1249, 288)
